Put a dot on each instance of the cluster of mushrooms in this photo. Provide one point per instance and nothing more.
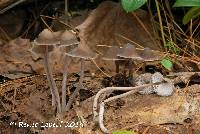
(44, 45)
(47, 41)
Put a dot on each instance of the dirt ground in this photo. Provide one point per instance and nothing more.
(28, 100)
(25, 97)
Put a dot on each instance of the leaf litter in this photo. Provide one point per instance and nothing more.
(28, 99)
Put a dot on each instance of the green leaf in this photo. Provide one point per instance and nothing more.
(167, 63)
(131, 5)
(123, 132)
(191, 14)
(171, 46)
(187, 3)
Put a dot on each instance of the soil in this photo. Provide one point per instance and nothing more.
(28, 100)
(25, 97)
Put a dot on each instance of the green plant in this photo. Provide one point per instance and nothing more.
(123, 132)
(197, 132)
(193, 12)
(167, 63)
(171, 47)
(131, 5)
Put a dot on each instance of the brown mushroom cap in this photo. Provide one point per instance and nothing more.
(82, 51)
(68, 38)
(112, 53)
(148, 55)
(40, 49)
(129, 51)
(46, 37)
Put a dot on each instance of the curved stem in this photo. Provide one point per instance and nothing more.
(109, 89)
(52, 84)
(72, 97)
(64, 83)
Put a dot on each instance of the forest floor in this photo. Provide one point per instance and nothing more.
(25, 97)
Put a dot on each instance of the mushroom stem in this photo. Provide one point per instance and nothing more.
(52, 84)
(72, 97)
(64, 83)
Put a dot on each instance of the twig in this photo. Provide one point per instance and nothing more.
(109, 89)
(133, 90)
(101, 113)
(160, 21)
(146, 130)
(140, 46)
(100, 68)
(11, 6)
(143, 26)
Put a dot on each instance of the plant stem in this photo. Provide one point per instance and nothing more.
(66, 7)
(64, 84)
(72, 97)
(52, 84)
(160, 21)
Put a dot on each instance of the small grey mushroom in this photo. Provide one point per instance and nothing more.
(84, 53)
(130, 54)
(148, 55)
(68, 38)
(129, 51)
(42, 46)
(46, 41)
(112, 53)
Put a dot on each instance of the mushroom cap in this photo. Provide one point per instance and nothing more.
(129, 51)
(111, 53)
(46, 37)
(39, 50)
(82, 51)
(148, 55)
(68, 38)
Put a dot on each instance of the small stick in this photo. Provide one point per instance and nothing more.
(100, 68)
(72, 97)
(101, 113)
(109, 89)
(11, 6)
(102, 109)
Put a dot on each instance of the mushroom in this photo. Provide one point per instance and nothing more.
(84, 53)
(148, 55)
(111, 54)
(42, 46)
(130, 54)
(67, 39)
